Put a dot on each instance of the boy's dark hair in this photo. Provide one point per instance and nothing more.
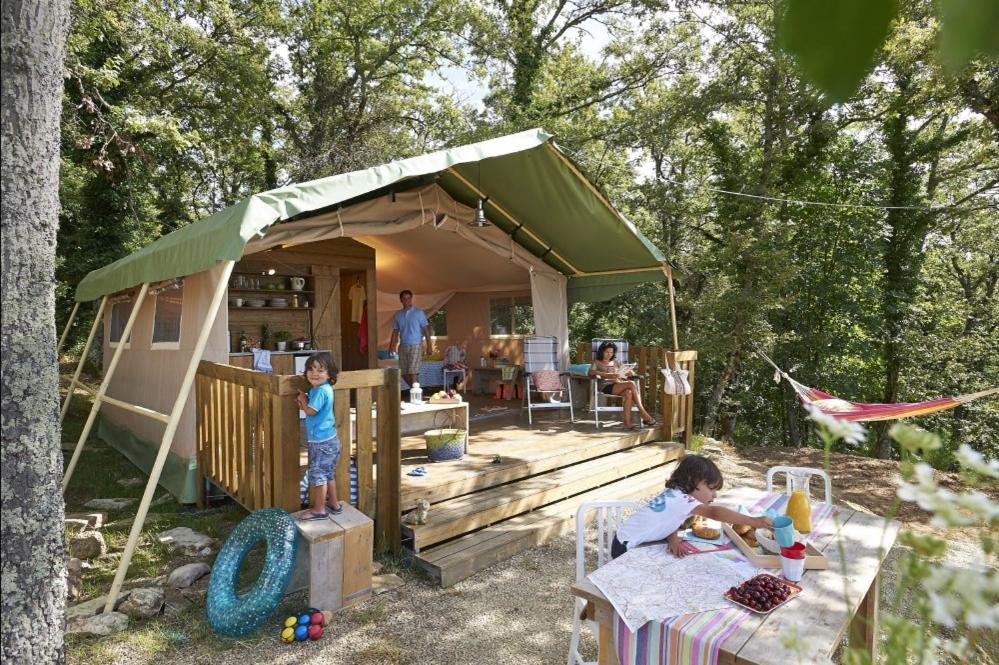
(691, 471)
(603, 347)
(405, 292)
(324, 360)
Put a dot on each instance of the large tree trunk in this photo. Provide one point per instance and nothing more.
(34, 586)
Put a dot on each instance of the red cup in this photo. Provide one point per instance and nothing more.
(796, 551)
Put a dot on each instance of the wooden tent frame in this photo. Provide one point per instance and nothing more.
(171, 420)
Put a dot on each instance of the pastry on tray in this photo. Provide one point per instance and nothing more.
(701, 529)
(742, 529)
(750, 538)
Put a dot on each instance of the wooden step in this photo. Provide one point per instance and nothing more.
(534, 453)
(467, 513)
(455, 560)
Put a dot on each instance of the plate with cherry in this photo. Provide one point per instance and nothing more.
(763, 594)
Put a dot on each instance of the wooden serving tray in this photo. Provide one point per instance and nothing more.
(795, 591)
(814, 559)
(446, 400)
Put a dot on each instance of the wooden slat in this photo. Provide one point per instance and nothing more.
(200, 404)
(341, 415)
(365, 457)
(389, 455)
(271, 453)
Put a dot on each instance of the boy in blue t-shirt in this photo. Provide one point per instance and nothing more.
(324, 446)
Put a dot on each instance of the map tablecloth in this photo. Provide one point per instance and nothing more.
(696, 638)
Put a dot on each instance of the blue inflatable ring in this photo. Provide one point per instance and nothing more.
(231, 614)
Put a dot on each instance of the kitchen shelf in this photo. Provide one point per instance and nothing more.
(275, 309)
(268, 291)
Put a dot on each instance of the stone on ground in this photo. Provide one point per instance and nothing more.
(175, 602)
(102, 624)
(185, 539)
(109, 504)
(91, 607)
(74, 577)
(92, 520)
(88, 545)
(130, 482)
(143, 603)
(187, 575)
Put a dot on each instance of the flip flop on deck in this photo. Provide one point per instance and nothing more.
(418, 471)
(330, 510)
(308, 515)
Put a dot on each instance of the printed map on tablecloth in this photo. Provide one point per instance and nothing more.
(649, 583)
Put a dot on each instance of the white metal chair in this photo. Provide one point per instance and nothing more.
(609, 515)
(542, 353)
(808, 471)
(596, 396)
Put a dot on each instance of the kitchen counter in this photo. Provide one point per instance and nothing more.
(304, 352)
(283, 362)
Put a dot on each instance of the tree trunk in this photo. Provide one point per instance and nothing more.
(34, 585)
(725, 378)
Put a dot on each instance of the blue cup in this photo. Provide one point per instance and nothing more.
(784, 531)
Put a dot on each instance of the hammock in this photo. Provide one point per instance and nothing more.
(861, 411)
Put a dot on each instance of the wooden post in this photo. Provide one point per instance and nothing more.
(863, 629)
(65, 331)
(83, 358)
(672, 305)
(389, 459)
(104, 384)
(171, 428)
(287, 428)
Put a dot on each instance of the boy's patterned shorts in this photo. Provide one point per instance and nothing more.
(323, 457)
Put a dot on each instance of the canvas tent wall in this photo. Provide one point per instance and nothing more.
(553, 232)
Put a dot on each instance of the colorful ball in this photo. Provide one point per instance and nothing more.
(288, 635)
(290, 622)
(304, 619)
(317, 619)
(315, 632)
(301, 633)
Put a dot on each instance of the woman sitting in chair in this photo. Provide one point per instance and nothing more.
(614, 380)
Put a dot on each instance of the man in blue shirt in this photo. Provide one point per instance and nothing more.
(408, 327)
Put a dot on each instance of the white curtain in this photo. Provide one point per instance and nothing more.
(551, 310)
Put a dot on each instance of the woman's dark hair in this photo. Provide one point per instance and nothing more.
(603, 347)
(324, 360)
(691, 471)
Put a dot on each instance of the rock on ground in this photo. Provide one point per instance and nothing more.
(183, 538)
(102, 624)
(108, 504)
(143, 603)
(186, 575)
(91, 607)
(88, 545)
(130, 482)
(74, 577)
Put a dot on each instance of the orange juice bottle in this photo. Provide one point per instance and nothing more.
(799, 507)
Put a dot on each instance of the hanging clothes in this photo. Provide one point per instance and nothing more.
(362, 331)
(357, 296)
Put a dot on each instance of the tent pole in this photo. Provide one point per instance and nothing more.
(672, 305)
(126, 333)
(65, 331)
(168, 434)
(83, 358)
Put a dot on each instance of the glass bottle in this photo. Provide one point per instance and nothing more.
(799, 505)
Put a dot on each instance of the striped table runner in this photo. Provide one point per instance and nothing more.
(695, 639)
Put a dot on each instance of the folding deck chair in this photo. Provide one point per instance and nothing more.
(542, 354)
(595, 395)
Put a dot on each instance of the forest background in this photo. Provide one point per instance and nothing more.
(884, 290)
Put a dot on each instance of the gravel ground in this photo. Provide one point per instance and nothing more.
(518, 612)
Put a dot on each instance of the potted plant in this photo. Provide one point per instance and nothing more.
(281, 338)
(265, 336)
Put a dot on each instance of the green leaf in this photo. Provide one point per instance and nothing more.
(834, 41)
(968, 28)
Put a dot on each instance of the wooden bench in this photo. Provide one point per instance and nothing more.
(334, 560)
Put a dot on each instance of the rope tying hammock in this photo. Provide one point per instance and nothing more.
(864, 412)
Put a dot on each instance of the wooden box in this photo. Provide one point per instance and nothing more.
(334, 559)
(814, 559)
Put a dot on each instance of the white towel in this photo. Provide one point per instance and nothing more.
(262, 361)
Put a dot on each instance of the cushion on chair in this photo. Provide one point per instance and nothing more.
(547, 380)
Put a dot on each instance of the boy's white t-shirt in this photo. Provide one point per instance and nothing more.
(664, 514)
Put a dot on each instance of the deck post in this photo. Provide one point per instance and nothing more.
(672, 305)
(171, 427)
(99, 397)
(83, 357)
(388, 536)
(65, 331)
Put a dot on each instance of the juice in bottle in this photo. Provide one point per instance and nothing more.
(799, 508)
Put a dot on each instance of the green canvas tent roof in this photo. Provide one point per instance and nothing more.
(533, 192)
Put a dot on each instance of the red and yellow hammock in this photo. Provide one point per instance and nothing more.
(862, 411)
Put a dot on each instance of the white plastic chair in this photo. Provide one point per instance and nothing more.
(609, 516)
(595, 394)
(808, 471)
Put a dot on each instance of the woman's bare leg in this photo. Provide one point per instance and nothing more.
(630, 386)
(627, 395)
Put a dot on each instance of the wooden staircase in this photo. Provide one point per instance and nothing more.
(476, 525)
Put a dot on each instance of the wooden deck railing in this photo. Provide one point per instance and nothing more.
(249, 440)
(677, 411)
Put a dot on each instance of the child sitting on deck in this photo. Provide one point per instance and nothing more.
(320, 426)
(689, 491)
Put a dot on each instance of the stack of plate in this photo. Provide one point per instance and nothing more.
(255, 302)
(277, 302)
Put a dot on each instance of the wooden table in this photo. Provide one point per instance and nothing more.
(820, 611)
(418, 418)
